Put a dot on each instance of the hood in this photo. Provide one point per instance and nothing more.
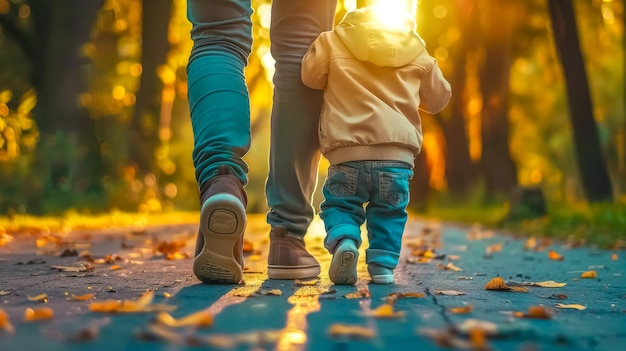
(383, 44)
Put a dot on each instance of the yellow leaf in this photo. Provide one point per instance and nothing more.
(35, 314)
(547, 284)
(115, 267)
(385, 311)
(536, 312)
(498, 283)
(83, 297)
(589, 274)
(449, 267)
(553, 255)
(5, 323)
(276, 292)
(143, 304)
(572, 306)
(614, 257)
(199, 319)
(462, 309)
(350, 331)
(39, 298)
(358, 294)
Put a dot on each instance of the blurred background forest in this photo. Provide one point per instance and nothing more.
(94, 116)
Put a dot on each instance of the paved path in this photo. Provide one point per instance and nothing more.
(306, 315)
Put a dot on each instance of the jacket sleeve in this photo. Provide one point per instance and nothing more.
(315, 63)
(435, 91)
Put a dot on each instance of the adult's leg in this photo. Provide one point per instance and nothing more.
(220, 117)
(294, 145)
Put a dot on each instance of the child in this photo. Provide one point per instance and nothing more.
(374, 76)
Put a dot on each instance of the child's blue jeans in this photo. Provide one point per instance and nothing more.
(374, 192)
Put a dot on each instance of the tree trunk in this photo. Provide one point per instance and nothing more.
(68, 155)
(144, 128)
(591, 165)
(497, 33)
(460, 170)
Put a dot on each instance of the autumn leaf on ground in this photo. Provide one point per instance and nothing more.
(171, 249)
(545, 284)
(312, 282)
(39, 298)
(449, 292)
(142, 304)
(84, 297)
(392, 297)
(535, 312)
(5, 322)
(358, 294)
(462, 309)
(6, 292)
(571, 306)
(81, 268)
(350, 331)
(384, 311)
(449, 267)
(419, 260)
(555, 256)
(498, 284)
(201, 319)
(614, 257)
(248, 246)
(589, 274)
(36, 314)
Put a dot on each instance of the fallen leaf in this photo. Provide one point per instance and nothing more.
(384, 311)
(498, 284)
(545, 284)
(449, 292)
(276, 292)
(535, 312)
(572, 306)
(553, 255)
(5, 239)
(419, 260)
(247, 246)
(396, 295)
(167, 295)
(84, 297)
(589, 274)
(115, 267)
(494, 248)
(36, 314)
(350, 331)
(201, 319)
(313, 282)
(5, 322)
(6, 292)
(461, 310)
(81, 268)
(614, 257)
(478, 339)
(449, 267)
(555, 297)
(39, 298)
(142, 304)
(358, 294)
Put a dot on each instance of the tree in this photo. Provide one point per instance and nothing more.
(591, 165)
(144, 126)
(498, 28)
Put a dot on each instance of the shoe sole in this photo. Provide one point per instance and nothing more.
(343, 267)
(291, 272)
(382, 279)
(222, 223)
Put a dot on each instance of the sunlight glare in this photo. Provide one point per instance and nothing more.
(388, 11)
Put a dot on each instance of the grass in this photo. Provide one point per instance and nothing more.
(602, 225)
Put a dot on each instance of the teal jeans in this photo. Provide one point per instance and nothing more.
(220, 105)
(372, 192)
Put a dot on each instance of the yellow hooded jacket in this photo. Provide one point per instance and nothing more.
(375, 76)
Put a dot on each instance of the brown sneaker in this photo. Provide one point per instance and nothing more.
(288, 257)
(219, 245)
